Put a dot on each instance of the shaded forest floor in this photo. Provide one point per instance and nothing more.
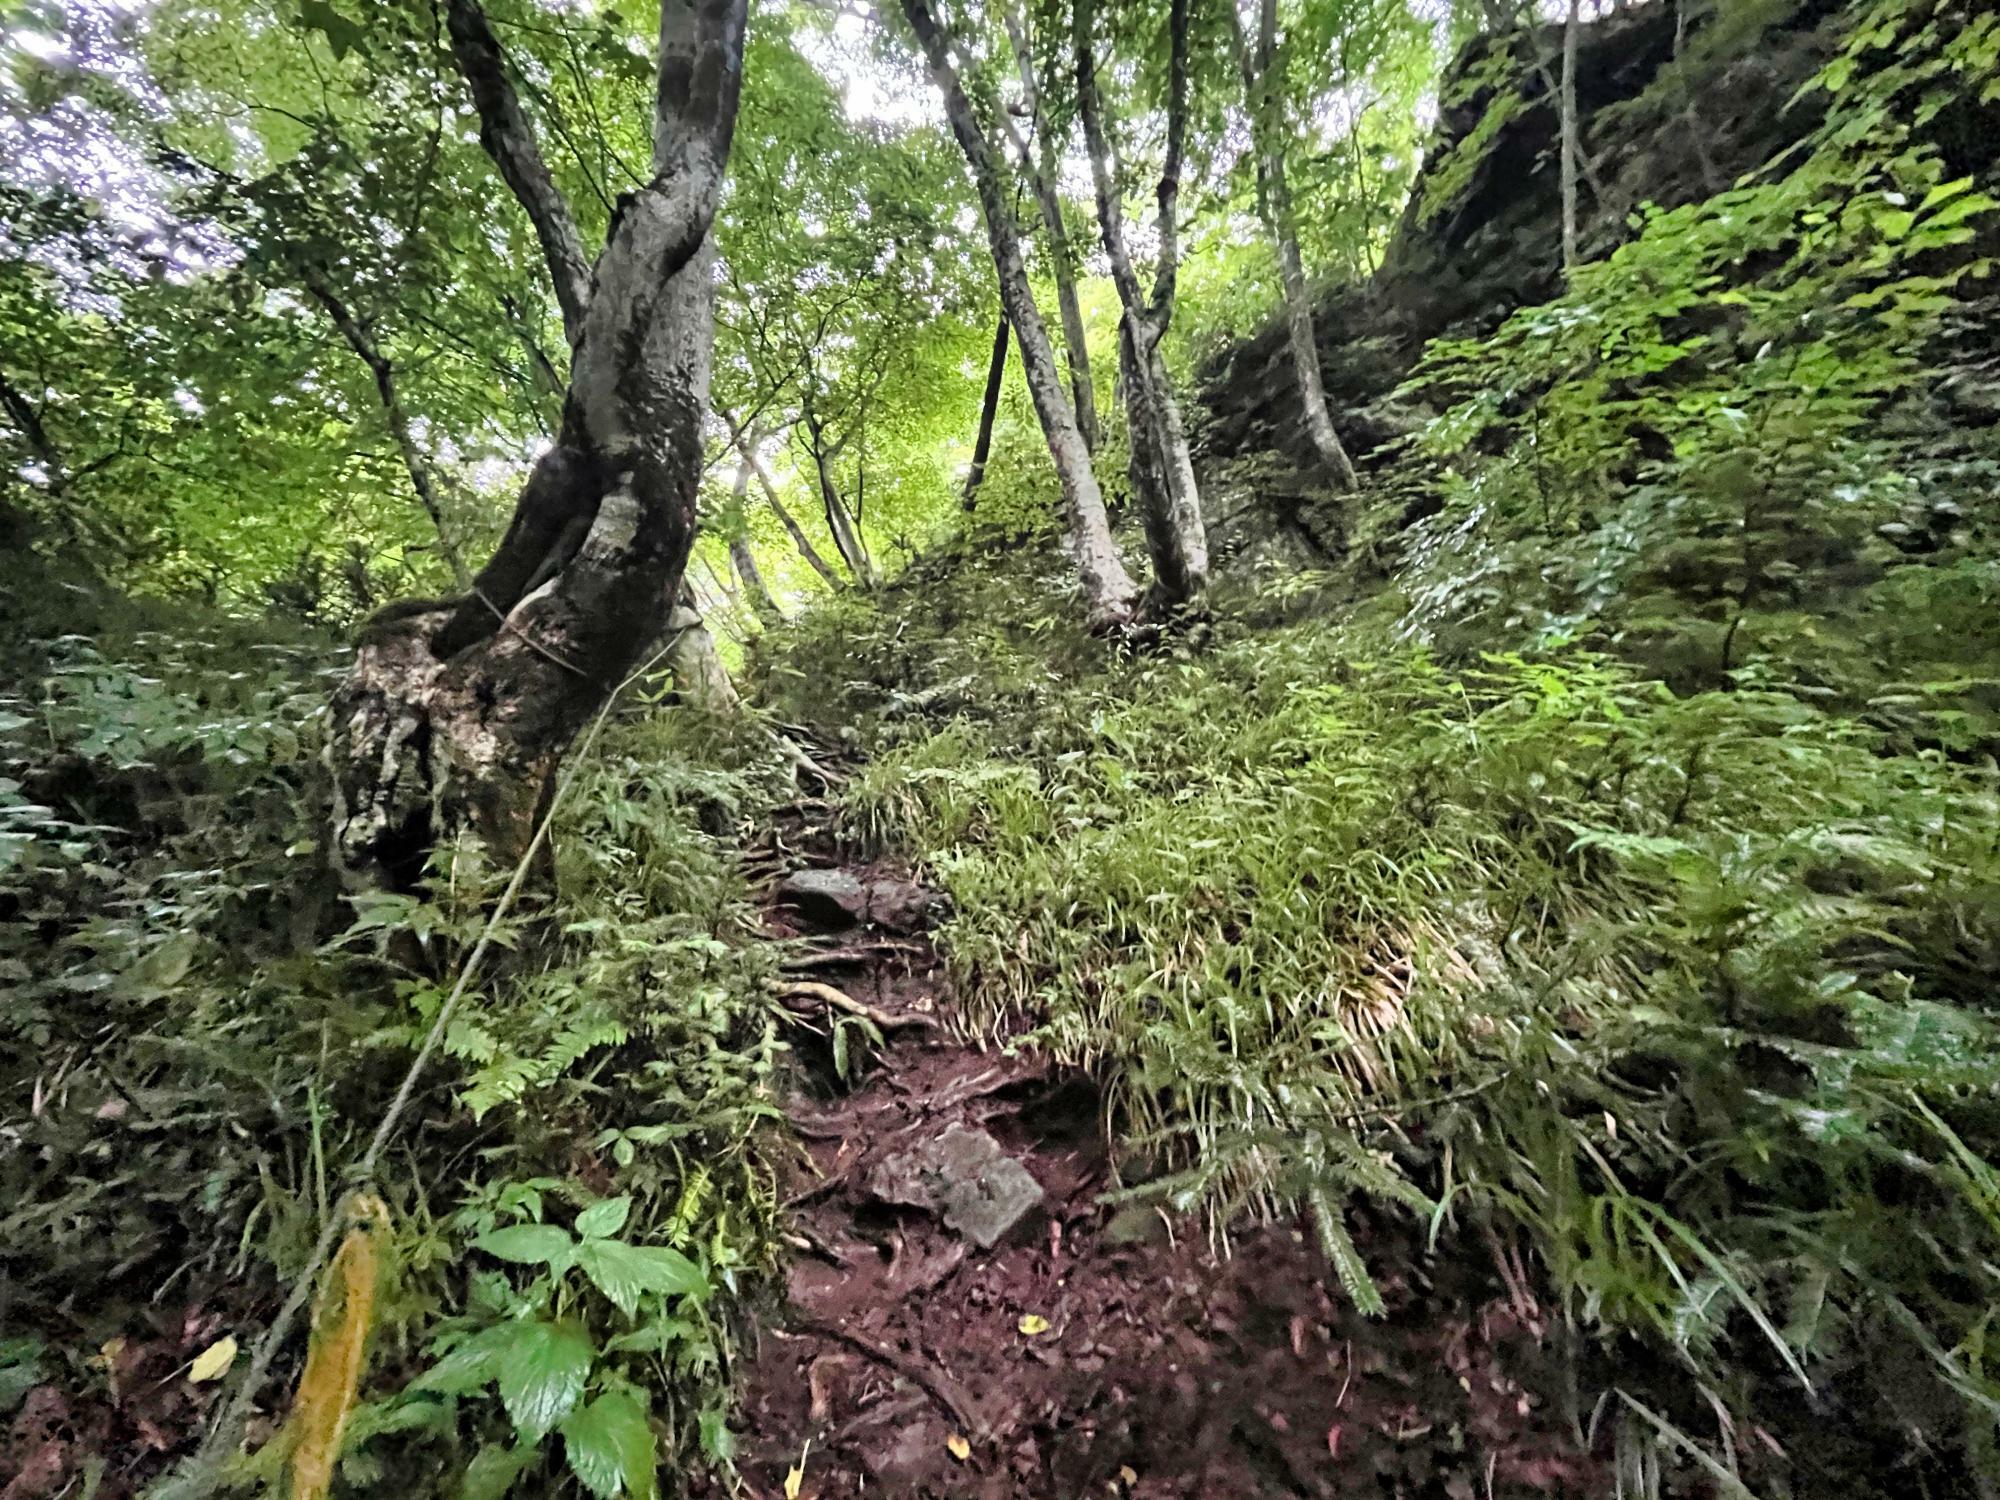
(1091, 1349)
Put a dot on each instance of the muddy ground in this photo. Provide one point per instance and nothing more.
(1093, 1349)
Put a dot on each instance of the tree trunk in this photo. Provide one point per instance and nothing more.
(1572, 149)
(1274, 201)
(982, 448)
(1038, 159)
(1161, 467)
(743, 559)
(700, 678)
(763, 603)
(1109, 594)
(746, 449)
(509, 139)
(448, 730)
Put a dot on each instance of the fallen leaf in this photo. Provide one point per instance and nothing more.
(213, 1362)
(959, 1447)
(1032, 1324)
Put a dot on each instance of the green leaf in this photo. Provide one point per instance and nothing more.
(493, 1471)
(341, 34)
(624, 1273)
(602, 1220)
(472, 1366)
(542, 1374)
(610, 1447)
(530, 1245)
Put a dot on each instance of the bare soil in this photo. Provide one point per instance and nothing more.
(1099, 1351)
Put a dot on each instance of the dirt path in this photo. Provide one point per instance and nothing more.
(1085, 1351)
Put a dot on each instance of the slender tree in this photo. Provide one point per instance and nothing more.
(742, 558)
(745, 442)
(455, 715)
(1109, 593)
(1162, 469)
(383, 370)
(1572, 146)
(989, 407)
(1264, 101)
(1039, 155)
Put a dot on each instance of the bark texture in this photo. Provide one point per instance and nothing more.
(1274, 202)
(1109, 594)
(1162, 469)
(448, 730)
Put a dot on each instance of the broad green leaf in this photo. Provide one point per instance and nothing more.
(493, 1471)
(472, 1366)
(542, 1372)
(602, 1220)
(610, 1447)
(530, 1245)
(625, 1273)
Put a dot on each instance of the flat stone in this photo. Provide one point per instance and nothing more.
(964, 1178)
(830, 898)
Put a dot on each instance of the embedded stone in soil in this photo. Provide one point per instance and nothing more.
(965, 1179)
(833, 899)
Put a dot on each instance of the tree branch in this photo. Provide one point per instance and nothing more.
(380, 366)
(509, 139)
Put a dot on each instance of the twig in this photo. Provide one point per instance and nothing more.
(940, 1387)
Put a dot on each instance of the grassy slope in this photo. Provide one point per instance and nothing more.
(1609, 855)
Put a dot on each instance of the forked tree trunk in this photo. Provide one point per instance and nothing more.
(1274, 203)
(447, 732)
(840, 521)
(1109, 594)
(1161, 466)
(982, 448)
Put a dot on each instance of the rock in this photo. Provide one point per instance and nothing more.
(1136, 1224)
(833, 899)
(964, 1178)
(830, 898)
(903, 906)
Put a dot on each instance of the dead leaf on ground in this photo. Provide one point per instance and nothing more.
(213, 1362)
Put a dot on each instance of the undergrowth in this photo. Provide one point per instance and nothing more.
(202, 1032)
(1624, 875)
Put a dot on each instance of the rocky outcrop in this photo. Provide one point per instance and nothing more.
(1678, 99)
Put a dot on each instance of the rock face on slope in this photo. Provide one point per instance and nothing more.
(1671, 112)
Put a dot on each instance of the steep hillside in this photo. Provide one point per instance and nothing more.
(1579, 842)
